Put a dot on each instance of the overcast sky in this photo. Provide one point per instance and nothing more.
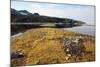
(77, 12)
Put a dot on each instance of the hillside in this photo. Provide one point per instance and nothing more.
(25, 16)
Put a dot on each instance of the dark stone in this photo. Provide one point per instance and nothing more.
(73, 47)
(16, 55)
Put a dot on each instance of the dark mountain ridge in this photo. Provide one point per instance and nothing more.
(25, 16)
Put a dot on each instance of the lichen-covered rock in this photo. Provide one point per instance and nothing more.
(50, 46)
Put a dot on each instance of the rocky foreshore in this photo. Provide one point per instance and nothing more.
(51, 46)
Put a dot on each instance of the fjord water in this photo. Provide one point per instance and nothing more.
(85, 29)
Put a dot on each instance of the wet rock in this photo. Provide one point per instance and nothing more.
(16, 55)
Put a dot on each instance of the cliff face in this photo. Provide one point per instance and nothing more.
(50, 45)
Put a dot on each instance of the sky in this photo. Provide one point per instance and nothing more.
(78, 12)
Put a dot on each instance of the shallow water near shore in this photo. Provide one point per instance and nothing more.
(88, 30)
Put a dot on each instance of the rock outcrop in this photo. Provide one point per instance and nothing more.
(50, 46)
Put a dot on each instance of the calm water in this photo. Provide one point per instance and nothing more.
(90, 30)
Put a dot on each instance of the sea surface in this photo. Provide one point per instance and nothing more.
(85, 29)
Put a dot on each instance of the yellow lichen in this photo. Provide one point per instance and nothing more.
(42, 46)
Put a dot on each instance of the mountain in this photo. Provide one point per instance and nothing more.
(25, 16)
(24, 12)
(15, 12)
(15, 15)
(35, 14)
